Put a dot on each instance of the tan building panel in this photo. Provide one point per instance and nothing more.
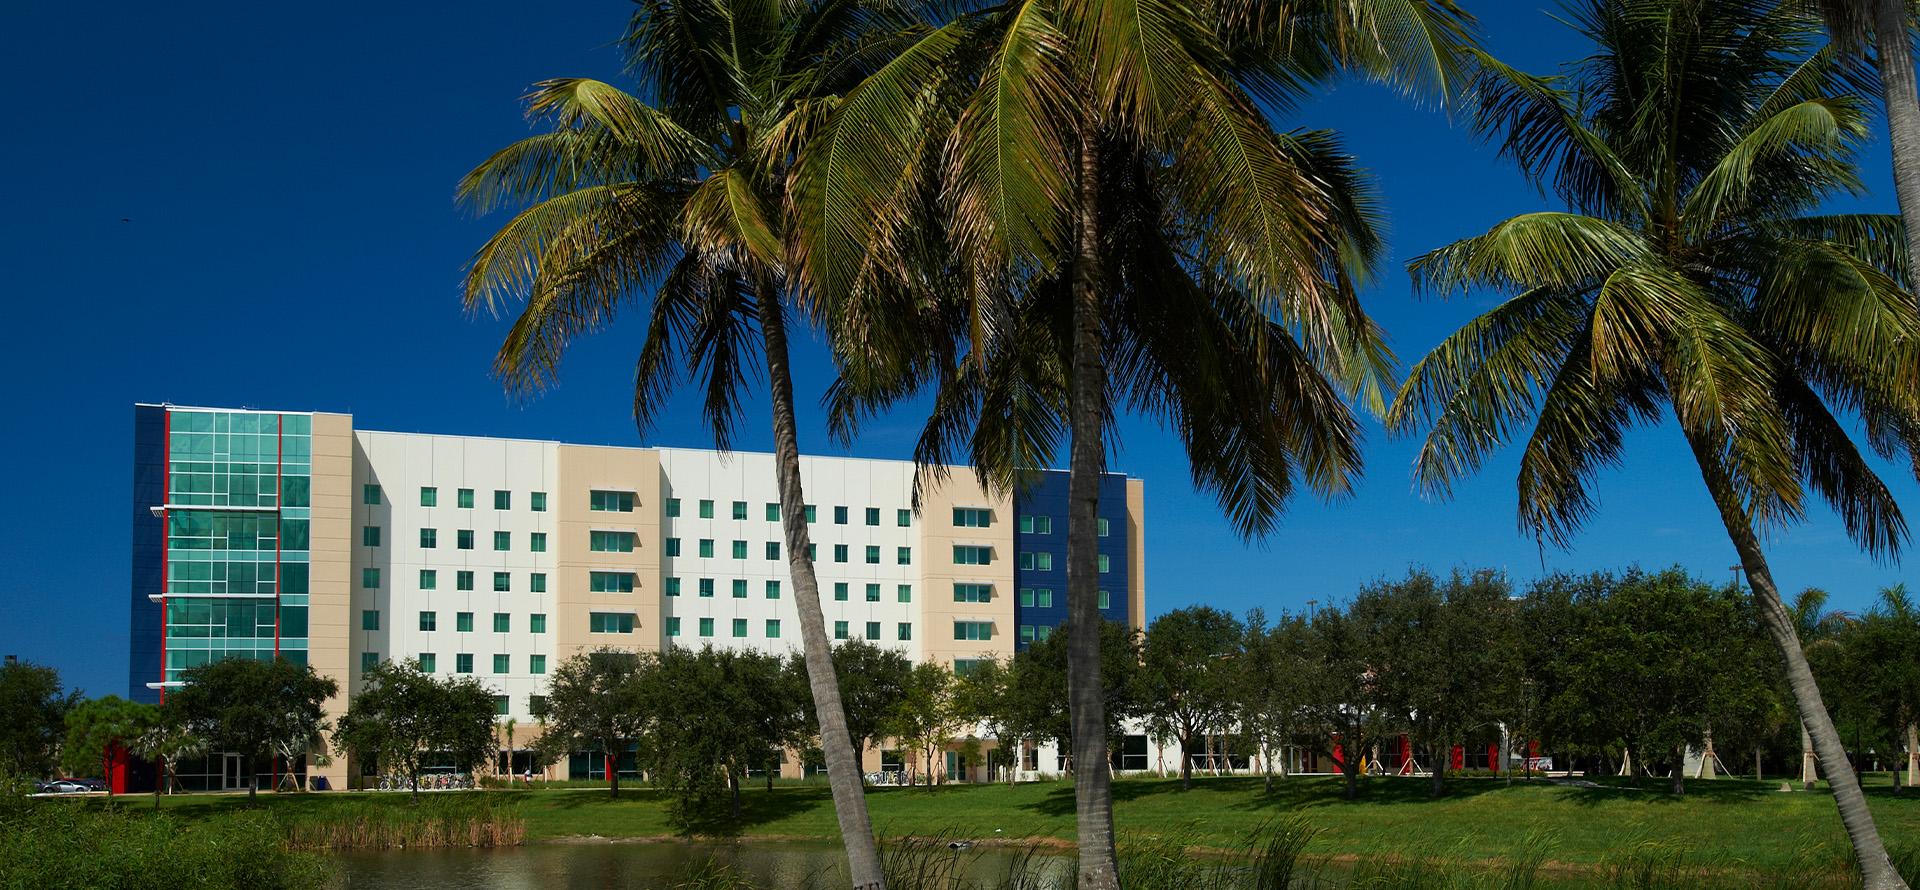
(583, 470)
(960, 487)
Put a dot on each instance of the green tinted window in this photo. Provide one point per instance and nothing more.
(464, 498)
(370, 619)
(502, 623)
(739, 627)
(537, 542)
(537, 623)
(429, 579)
(739, 509)
(370, 578)
(429, 496)
(773, 628)
(370, 494)
(426, 662)
(463, 622)
(429, 538)
(537, 501)
(673, 507)
(429, 621)
(370, 535)
(463, 580)
(503, 500)
(502, 582)
(739, 588)
(536, 664)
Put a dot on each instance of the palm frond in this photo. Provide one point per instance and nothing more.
(1567, 251)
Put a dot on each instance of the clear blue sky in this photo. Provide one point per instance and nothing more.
(285, 177)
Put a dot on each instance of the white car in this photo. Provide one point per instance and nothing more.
(64, 786)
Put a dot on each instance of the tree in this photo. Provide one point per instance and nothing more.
(713, 714)
(1271, 685)
(98, 726)
(981, 695)
(1693, 271)
(1037, 703)
(927, 717)
(401, 714)
(677, 194)
(1883, 648)
(1890, 23)
(36, 709)
(595, 702)
(165, 741)
(1187, 676)
(1344, 710)
(872, 680)
(254, 708)
(1111, 219)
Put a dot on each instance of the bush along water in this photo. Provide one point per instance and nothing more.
(445, 820)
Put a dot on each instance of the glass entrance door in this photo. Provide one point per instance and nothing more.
(232, 778)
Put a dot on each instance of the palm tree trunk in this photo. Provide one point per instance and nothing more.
(1870, 855)
(1092, 780)
(1895, 56)
(843, 763)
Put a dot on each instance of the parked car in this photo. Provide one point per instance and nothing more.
(64, 786)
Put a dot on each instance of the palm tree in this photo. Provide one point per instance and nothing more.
(676, 196)
(1889, 22)
(1083, 205)
(1692, 272)
(1818, 631)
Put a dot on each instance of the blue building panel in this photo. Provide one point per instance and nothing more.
(149, 490)
(1040, 554)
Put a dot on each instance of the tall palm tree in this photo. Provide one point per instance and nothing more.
(1692, 272)
(1085, 205)
(1817, 629)
(676, 197)
(1889, 23)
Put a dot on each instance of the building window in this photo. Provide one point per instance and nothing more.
(463, 580)
(673, 627)
(610, 501)
(811, 513)
(839, 553)
(839, 516)
(965, 666)
(610, 542)
(706, 548)
(1044, 631)
(1102, 523)
(972, 517)
(903, 593)
(610, 622)
(464, 498)
(972, 593)
(463, 539)
(773, 628)
(537, 623)
(370, 494)
(873, 515)
(773, 590)
(429, 579)
(813, 552)
(610, 582)
(973, 630)
(426, 662)
(369, 661)
(840, 591)
(370, 579)
(904, 631)
(739, 550)
(500, 704)
(1036, 525)
(1040, 561)
(1041, 597)
(706, 509)
(873, 593)
(538, 501)
(673, 586)
(502, 500)
(1105, 598)
(536, 664)
(706, 627)
(673, 546)
(502, 623)
(537, 542)
(369, 619)
(429, 538)
(739, 588)
(463, 622)
(873, 632)
(463, 663)
(673, 508)
(873, 554)
(1026, 633)
(370, 535)
(839, 630)
(773, 512)
(502, 582)
(537, 705)
(903, 518)
(1103, 564)
(502, 541)
(502, 664)
(739, 509)
(706, 587)
(773, 549)
(429, 496)
(903, 556)
(970, 555)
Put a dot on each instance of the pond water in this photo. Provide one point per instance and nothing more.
(609, 865)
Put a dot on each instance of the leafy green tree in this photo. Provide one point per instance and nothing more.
(255, 709)
(1109, 218)
(401, 714)
(1271, 685)
(1345, 712)
(677, 194)
(165, 741)
(595, 703)
(1037, 702)
(98, 726)
(1187, 677)
(872, 680)
(981, 694)
(36, 707)
(1694, 271)
(1883, 654)
(928, 716)
(711, 715)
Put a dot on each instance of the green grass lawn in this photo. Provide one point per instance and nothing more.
(1724, 823)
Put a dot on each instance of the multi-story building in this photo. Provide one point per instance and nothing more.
(263, 533)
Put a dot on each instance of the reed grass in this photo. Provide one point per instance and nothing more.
(445, 820)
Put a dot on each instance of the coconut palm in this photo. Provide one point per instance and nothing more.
(1693, 272)
(1818, 629)
(674, 196)
(1889, 23)
(1082, 204)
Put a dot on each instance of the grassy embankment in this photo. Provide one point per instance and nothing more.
(1728, 824)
